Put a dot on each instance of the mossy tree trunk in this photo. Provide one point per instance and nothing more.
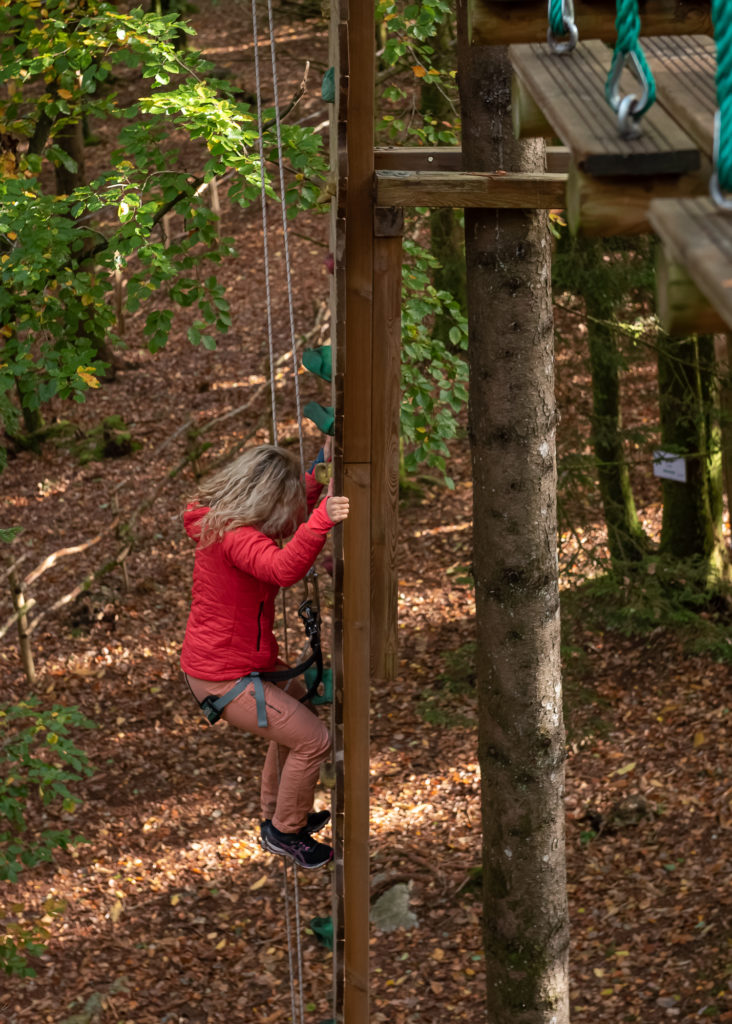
(626, 540)
(692, 511)
(512, 434)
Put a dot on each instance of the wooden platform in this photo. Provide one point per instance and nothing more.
(698, 236)
(570, 92)
(493, 22)
(684, 69)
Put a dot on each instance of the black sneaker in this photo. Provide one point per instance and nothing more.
(301, 847)
(316, 821)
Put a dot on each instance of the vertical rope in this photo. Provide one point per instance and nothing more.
(722, 19)
(265, 239)
(299, 942)
(628, 26)
(285, 233)
(288, 921)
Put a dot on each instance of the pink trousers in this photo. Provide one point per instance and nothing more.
(299, 743)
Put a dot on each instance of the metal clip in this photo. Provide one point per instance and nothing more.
(561, 46)
(626, 107)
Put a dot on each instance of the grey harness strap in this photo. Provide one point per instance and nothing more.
(212, 707)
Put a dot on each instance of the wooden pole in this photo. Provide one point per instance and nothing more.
(387, 338)
(354, 382)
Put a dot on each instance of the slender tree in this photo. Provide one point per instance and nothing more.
(512, 435)
(692, 511)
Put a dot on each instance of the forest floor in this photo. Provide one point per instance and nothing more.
(172, 912)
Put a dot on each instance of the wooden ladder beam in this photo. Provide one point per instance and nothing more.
(570, 91)
(449, 158)
(698, 237)
(502, 22)
(460, 189)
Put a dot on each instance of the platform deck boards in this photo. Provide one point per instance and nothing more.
(684, 68)
(699, 237)
(570, 90)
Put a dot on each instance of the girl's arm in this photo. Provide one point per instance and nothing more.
(259, 555)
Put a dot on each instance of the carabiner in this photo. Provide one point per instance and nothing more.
(558, 46)
(628, 108)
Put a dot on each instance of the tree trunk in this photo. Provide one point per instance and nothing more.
(692, 511)
(71, 140)
(512, 433)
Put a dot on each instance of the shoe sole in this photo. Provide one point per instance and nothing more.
(282, 851)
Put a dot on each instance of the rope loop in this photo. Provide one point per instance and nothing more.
(561, 23)
(629, 53)
(721, 180)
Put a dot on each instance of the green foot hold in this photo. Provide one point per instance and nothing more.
(323, 928)
(319, 361)
(326, 697)
(322, 416)
(327, 89)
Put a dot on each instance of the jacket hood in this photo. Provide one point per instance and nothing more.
(192, 519)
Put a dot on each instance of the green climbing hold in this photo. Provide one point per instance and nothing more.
(326, 697)
(319, 361)
(323, 928)
(322, 416)
(327, 89)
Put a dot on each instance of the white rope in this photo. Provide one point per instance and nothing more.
(286, 890)
(285, 233)
(265, 240)
(299, 943)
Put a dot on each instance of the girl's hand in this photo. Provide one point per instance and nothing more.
(336, 505)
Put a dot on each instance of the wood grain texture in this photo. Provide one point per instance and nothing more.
(681, 308)
(684, 70)
(462, 189)
(449, 158)
(600, 207)
(698, 236)
(570, 91)
(501, 22)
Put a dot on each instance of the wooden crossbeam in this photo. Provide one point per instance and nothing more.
(698, 237)
(461, 189)
(501, 22)
(449, 158)
(684, 70)
(570, 92)
(599, 207)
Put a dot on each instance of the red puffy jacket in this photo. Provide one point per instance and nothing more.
(235, 583)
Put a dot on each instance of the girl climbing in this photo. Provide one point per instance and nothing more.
(229, 647)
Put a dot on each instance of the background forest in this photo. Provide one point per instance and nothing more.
(134, 358)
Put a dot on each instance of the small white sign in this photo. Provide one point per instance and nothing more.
(669, 466)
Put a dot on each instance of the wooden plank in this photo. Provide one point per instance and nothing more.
(449, 158)
(681, 308)
(685, 70)
(570, 91)
(462, 189)
(698, 236)
(599, 207)
(512, 21)
(385, 401)
(357, 368)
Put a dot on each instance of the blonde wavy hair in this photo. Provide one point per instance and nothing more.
(263, 488)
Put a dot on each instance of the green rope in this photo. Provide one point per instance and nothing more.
(627, 25)
(556, 21)
(722, 19)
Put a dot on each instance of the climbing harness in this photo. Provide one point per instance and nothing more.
(720, 183)
(629, 53)
(561, 23)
